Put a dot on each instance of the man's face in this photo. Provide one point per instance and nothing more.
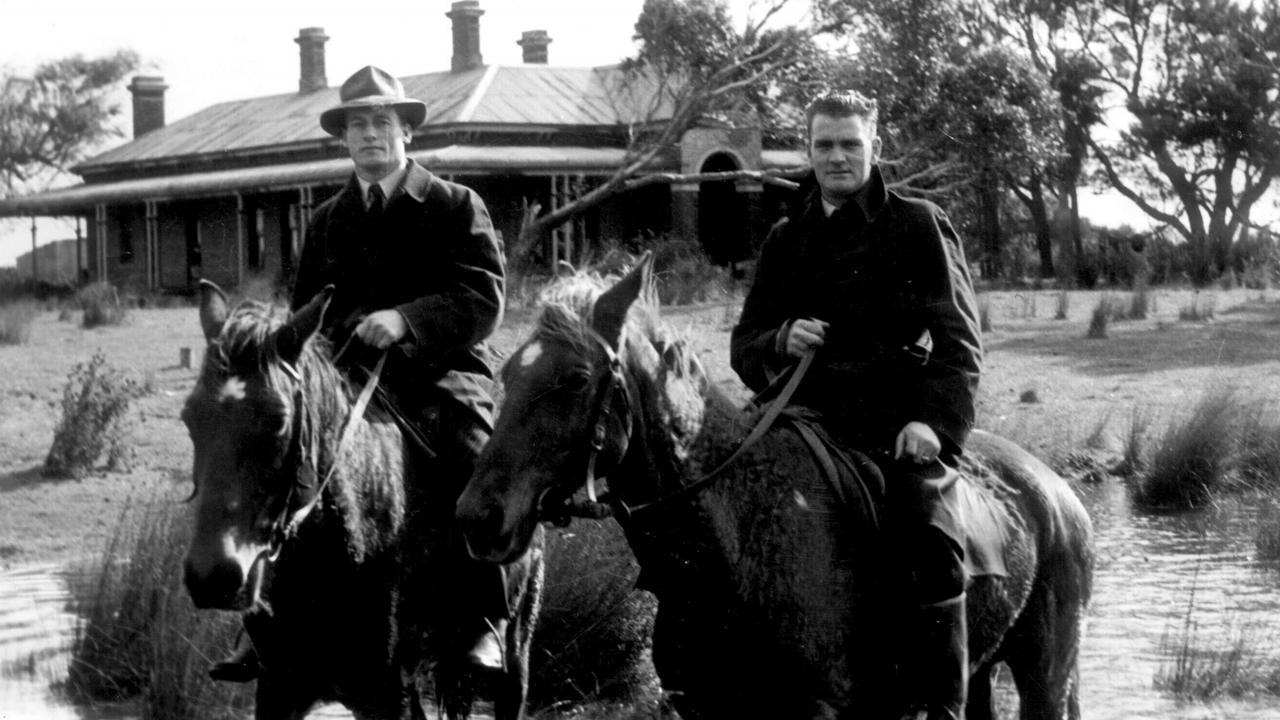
(376, 139)
(842, 151)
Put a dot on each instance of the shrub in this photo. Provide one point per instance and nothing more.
(685, 273)
(95, 406)
(1191, 460)
(16, 319)
(101, 304)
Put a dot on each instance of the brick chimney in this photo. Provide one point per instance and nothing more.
(148, 103)
(466, 34)
(311, 52)
(534, 43)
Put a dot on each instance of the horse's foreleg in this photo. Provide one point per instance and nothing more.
(1044, 650)
(979, 705)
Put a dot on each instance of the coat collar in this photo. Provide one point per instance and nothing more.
(413, 182)
(871, 200)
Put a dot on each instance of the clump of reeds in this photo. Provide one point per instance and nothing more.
(1133, 459)
(1140, 301)
(1243, 666)
(16, 319)
(1193, 457)
(101, 305)
(140, 635)
(984, 312)
(1258, 455)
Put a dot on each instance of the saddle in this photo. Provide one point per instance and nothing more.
(859, 483)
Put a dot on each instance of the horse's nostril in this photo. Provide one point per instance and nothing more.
(217, 587)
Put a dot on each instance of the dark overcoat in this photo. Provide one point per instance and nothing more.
(882, 277)
(432, 255)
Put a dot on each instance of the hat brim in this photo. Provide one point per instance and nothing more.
(334, 120)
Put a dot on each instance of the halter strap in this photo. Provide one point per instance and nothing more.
(599, 508)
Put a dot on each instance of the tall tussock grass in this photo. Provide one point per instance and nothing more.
(1205, 666)
(1191, 461)
(140, 636)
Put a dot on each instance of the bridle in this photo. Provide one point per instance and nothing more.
(557, 504)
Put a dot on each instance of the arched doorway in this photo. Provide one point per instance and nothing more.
(722, 214)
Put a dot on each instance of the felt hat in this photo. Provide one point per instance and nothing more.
(371, 87)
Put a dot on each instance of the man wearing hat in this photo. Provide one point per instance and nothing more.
(419, 273)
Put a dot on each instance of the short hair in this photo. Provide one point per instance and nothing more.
(846, 103)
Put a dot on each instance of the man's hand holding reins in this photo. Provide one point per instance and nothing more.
(805, 334)
(918, 442)
(382, 328)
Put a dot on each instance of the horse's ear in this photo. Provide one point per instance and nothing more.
(213, 310)
(302, 325)
(611, 309)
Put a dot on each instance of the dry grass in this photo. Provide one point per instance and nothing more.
(102, 305)
(1191, 461)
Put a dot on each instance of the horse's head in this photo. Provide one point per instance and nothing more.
(247, 428)
(576, 393)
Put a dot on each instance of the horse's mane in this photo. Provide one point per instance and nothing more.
(246, 349)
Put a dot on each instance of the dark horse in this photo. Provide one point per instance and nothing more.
(341, 574)
(771, 602)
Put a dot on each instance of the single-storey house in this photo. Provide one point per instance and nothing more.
(226, 193)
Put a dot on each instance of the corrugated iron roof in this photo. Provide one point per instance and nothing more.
(459, 159)
(536, 95)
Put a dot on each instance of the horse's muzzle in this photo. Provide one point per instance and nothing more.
(219, 587)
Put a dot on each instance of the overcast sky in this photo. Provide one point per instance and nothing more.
(209, 52)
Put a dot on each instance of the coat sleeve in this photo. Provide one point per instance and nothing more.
(947, 308)
(469, 306)
(754, 352)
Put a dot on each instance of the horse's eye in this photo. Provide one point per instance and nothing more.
(577, 381)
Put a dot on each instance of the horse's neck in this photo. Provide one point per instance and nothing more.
(691, 535)
(367, 472)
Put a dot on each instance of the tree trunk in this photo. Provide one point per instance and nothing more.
(989, 204)
(1044, 232)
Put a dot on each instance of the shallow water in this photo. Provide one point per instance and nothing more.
(1148, 567)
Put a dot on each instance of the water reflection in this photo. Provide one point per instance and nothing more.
(1147, 568)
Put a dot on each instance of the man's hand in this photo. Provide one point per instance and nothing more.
(804, 335)
(382, 328)
(917, 441)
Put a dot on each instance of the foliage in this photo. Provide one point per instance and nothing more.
(1200, 79)
(101, 305)
(64, 109)
(15, 321)
(1190, 462)
(95, 406)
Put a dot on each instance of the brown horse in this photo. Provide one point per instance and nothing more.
(333, 536)
(771, 589)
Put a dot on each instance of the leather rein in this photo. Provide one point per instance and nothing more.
(597, 506)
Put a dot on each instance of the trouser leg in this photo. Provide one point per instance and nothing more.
(928, 531)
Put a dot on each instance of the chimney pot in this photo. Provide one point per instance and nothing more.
(311, 53)
(534, 44)
(148, 103)
(466, 34)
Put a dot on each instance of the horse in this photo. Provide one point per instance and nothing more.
(321, 519)
(772, 592)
